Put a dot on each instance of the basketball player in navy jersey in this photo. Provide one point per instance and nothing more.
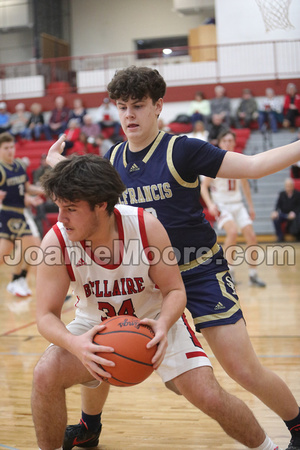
(14, 226)
(89, 222)
(161, 173)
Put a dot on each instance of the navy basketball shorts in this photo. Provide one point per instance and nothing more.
(13, 225)
(211, 296)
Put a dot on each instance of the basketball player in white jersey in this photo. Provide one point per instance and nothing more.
(91, 223)
(224, 200)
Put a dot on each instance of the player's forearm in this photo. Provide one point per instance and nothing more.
(236, 165)
(173, 306)
(54, 330)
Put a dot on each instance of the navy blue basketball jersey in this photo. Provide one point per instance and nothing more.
(164, 180)
(12, 180)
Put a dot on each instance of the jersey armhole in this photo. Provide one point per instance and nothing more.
(64, 251)
(143, 233)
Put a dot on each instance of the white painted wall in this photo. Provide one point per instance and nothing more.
(241, 21)
(108, 26)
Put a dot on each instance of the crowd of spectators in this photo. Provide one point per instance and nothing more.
(85, 132)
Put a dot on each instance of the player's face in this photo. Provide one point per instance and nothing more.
(227, 143)
(80, 222)
(139, 118)
(7, 152)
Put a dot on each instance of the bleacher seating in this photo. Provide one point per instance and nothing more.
(32, 150)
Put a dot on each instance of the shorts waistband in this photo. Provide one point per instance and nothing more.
(198, 261)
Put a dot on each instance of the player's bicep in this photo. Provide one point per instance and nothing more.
(164, 270)
(52, 279)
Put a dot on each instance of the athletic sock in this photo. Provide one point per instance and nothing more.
(23, 274)
(294, 426)
(92, 422)
(267, 445)
(15, 277)
(252, 272)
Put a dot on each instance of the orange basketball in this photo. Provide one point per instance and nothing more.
(131, 356)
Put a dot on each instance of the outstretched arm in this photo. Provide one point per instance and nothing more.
(237, 165)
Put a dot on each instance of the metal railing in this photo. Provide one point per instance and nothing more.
(200, 65)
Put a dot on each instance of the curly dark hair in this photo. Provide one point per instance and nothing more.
(137, 83)
(84, 177)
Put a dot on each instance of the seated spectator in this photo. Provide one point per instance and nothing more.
(72, 133)
(287, 211)
(199, 131)
(4, 118)
(108, 117)
(90, 128)
(269, 111)
(220, 105)
(291, 106)
(36, 124)
(84, 145)
(78, 111)
(199, 108)
(215, 128)
(18, 120)
(58, 120)
(247, 111)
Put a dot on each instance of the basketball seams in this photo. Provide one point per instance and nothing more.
(105, 333)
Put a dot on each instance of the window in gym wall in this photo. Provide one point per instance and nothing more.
(167, 46)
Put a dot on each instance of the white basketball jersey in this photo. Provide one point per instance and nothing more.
(107, 290)
(226, 191)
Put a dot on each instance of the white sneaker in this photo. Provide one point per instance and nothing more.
(23, 283)
(18, 288)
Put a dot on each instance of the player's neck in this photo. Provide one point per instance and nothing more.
(138, 143)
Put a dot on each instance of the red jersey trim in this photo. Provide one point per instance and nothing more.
(143, 233)
(64, 251)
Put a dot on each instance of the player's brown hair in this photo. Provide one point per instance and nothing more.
(137, 83)
(84, 177)
(6, 137)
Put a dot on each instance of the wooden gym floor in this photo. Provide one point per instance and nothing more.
(148, 416)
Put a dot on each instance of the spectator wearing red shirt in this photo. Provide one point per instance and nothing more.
(291, 106)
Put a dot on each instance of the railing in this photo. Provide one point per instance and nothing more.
(84, 74)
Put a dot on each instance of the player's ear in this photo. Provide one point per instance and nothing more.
(101, 206)
(158, 106)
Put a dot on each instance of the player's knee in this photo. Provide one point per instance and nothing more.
(170, 385)
(46, 373)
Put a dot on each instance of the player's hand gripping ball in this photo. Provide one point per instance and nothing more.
(132, 358)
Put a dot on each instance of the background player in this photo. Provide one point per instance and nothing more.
(225, 203)
(13, 225)
(87, 214)
(161, 173)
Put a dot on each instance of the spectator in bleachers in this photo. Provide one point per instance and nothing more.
(90, 128)
(78, 111)
(4, 118)
(247, 111)
(108, 117)
(221, 106)
(72, 133)
(291, 106)
(287, 210)
(269, 111)
(18, 121)
(215, 128)
(36, 123)
(199, 131)
(58, 120)
(199, 108)
(84, 145)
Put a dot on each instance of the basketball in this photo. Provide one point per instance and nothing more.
(131, 356)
